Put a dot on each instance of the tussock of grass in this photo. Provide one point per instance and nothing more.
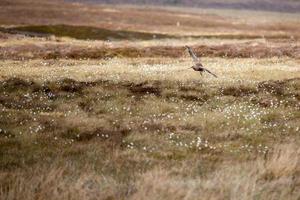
(239, 91)
(145, 88)
(280, 87)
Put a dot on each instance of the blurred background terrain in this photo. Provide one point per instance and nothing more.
(267, 5)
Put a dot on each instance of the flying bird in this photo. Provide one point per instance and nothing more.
(198, 66)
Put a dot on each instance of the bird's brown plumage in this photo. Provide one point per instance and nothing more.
(198, 65)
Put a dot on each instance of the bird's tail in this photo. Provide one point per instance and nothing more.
(211, 73)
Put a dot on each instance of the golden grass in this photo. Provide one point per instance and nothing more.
(230, 71)
(274, 177)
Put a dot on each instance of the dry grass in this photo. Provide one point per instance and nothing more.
(230, 71)
(121, 130)
(274, 177)
(58, 51)
(126, 119)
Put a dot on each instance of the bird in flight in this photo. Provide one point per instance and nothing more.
(198, 66)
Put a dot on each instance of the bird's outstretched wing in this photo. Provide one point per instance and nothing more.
(192, 54)
(210, 72)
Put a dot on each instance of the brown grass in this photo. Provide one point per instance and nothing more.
(131, 137)
(142, 126)
(274, 177)
(135, 18)
(247, 180)
(55, 51)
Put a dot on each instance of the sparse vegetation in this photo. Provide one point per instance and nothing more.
(127, 120)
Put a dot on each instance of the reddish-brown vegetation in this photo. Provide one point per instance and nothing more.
(53, 51)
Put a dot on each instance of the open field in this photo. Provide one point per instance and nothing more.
(117, 114)
(118, 128)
